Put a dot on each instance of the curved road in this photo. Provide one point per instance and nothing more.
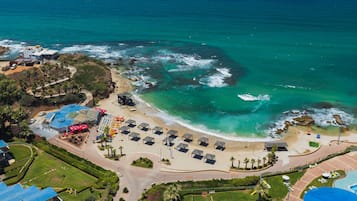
(138, 179)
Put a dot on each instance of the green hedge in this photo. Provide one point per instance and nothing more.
(196, 187)
(107, 180)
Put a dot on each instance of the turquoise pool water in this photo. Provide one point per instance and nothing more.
(354, 188)
(61, 120)
(329, 194)
(348, 183)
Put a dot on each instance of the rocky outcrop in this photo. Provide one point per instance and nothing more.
(304, 121)
(3, 50)
(338, 119)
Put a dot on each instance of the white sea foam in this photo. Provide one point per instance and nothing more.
(184, 62)
(15, 46)
(99, 51)
(170, 120)
(217, 79)
(321, 117)
(249, 97)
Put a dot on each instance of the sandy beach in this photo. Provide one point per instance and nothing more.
(239, 148)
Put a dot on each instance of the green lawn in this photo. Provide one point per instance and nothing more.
(47, 170)
(21, 155)
(223, 196)
(79, 196)
(329, 182)
(278, 189)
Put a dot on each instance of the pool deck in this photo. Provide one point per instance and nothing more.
(345, 162)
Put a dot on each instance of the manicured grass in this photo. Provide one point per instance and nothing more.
(223, 196)
(47, 170)
(278, 189)
(79, 196)
(21, 155)
(143, 162)
(329, 182)
(314, 144)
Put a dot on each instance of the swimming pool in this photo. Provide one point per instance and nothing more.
(63, 118)
(354, 188)
(348, 183)
(329, 194)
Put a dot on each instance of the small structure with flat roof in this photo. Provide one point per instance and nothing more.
(126, 99)
(130, 123)
(149, 140)
(124, 129)
(281, 146)
(32, 193)
(168, 141)
(182, 147)
(203, 141)
(172, 133)
(144, 126)
(210, 158)
(198, 154)
(187, 137)
(157, 130)
(134, 136)
(220, 145)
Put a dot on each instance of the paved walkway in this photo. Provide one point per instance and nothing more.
(345, 162)
(137, 179)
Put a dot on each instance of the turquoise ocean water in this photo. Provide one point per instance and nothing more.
(202, 55)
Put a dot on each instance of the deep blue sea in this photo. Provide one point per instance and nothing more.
(233, 67)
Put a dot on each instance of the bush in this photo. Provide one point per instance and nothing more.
(143, 162)
(125, 190)
(121, 199)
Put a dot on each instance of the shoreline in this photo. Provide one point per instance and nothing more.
(149, 113)
(169, 119)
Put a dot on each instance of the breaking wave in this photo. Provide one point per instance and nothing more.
(217, 79)
(184, 62)
(15, 46)
(322, 117)
(249, 97)
(99, 51)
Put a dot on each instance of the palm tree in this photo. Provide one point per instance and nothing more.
(121, 150)
(232, 160)
(259, 161)
(246, 161)
(105, 133)
(270, 158)
(264, 160)
(263, 191)
(252, 161)
(114, 153)
(25, 130)
(109, 148)
(172, 193)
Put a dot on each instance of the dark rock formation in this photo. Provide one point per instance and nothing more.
(304, 120)
(3, 50)
(338, 119)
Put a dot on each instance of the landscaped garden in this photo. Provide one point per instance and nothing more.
(143, 162)
(72, 177)
(222, 196)
(187, 190)
(278, 189)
